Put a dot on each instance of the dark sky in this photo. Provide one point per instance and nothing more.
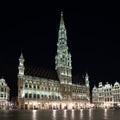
(93, 41)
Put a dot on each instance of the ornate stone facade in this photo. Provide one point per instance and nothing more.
(4, 94)
(107, 95)
(53, 91)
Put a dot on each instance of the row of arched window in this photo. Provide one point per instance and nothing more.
(3, 96)
(41, 96)
(47, 88)
(2, 89)
(79, 97)
(41, 87)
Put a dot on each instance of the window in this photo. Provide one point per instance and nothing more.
(38, 87)
(49, 97)
(52, 96)
(34, 96)
(1, 95)
(30, 95)
(49, 88)
(34, 86)
(30, 86)
(38, 96)
(58, 97)
(26, 95)
(1, 89)
(26, 85)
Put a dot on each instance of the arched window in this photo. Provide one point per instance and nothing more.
(49, 96)
(1, 89)
(41, 96)
(30, 86)
(26, 85)
(34, 86)
(30, 95)
(26, 95)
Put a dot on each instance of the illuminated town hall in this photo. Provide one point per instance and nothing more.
(38, 89)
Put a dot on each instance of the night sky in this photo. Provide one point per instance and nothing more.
(93, 41)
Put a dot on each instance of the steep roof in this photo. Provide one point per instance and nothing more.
(50, 74)
(40, 72)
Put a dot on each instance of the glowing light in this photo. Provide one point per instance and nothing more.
(90, 113)
(81, 113)
(71, 105)
(73, 114)
(54, 114)
(65, 113)
(34, 115)
(54, 104)
(105, 113)
(81, 105)
(35, 103)
(106, 105)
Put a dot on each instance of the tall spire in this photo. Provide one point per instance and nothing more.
(21, 56)
(62, 25)
(86, 74)
(62, 31)
(63, 57)
(87, 79)
(21, 65)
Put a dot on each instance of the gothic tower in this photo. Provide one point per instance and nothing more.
(87, 80)
(63, 57)
(20, 79)
(87, 86)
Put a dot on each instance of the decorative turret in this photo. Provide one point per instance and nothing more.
(21, 65)
(87, 80)
(63, 57)
(94, 88)
(100, 85)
